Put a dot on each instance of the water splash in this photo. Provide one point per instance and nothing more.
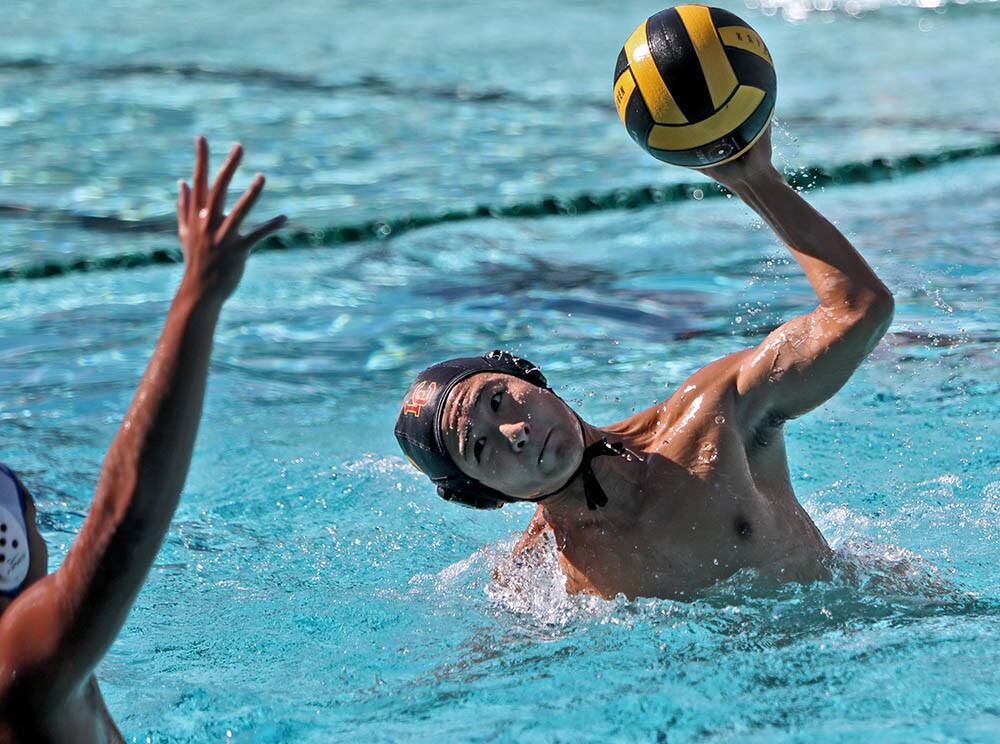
(533, 585)
(871, 582)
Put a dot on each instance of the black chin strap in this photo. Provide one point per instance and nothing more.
(592, 489)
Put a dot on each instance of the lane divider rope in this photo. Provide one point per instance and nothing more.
(879, 169)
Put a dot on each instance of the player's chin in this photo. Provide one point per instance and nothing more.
(550, 482)
(532, 485)
(559, 459)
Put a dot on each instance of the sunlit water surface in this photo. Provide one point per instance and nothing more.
(313, 588)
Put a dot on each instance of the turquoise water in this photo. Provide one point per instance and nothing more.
(313, 588)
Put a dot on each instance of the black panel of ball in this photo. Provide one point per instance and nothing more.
(620, 66)
(638, 121)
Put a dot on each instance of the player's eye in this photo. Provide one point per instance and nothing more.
(495, 401)
(477, 448)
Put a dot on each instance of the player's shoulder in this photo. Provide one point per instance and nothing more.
(711, 384)
(722, 371)
(706, 392)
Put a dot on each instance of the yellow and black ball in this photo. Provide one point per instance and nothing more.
(695, 86)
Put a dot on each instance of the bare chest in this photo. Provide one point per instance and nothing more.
(703, 511)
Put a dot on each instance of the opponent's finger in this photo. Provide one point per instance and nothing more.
(199, 179)
(243, 206)
(217, 197)
(262, 231)
(183, 202)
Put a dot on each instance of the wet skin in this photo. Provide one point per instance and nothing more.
(710, 496)
(81, 717)
(712, 493)
(56, 630)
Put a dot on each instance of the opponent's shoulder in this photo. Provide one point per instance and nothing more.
(32, 650)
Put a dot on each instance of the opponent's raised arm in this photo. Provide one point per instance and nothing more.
(805, 361)
(60, 628)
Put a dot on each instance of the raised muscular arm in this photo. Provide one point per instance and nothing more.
(54, 634)
(808, 359)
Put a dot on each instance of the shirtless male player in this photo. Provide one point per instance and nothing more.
(689, 491)
(55, 628)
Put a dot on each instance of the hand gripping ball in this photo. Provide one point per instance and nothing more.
(695, 86)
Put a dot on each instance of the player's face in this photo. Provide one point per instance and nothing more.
(511, 435)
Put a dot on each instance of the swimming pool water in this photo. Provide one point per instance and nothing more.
(313, 588)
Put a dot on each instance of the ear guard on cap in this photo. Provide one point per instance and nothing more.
(469, 500)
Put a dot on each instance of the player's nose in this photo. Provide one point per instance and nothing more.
(518, 434)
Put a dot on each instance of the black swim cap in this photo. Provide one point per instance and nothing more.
(418, 426)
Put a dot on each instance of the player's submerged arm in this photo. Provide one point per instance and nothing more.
(808, 359)
(57, 631)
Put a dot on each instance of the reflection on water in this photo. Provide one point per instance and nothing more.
(313, 588)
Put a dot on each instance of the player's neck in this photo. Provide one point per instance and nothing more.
(618, 478)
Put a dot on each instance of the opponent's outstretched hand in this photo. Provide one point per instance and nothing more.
(214, 251)
(55, 633)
